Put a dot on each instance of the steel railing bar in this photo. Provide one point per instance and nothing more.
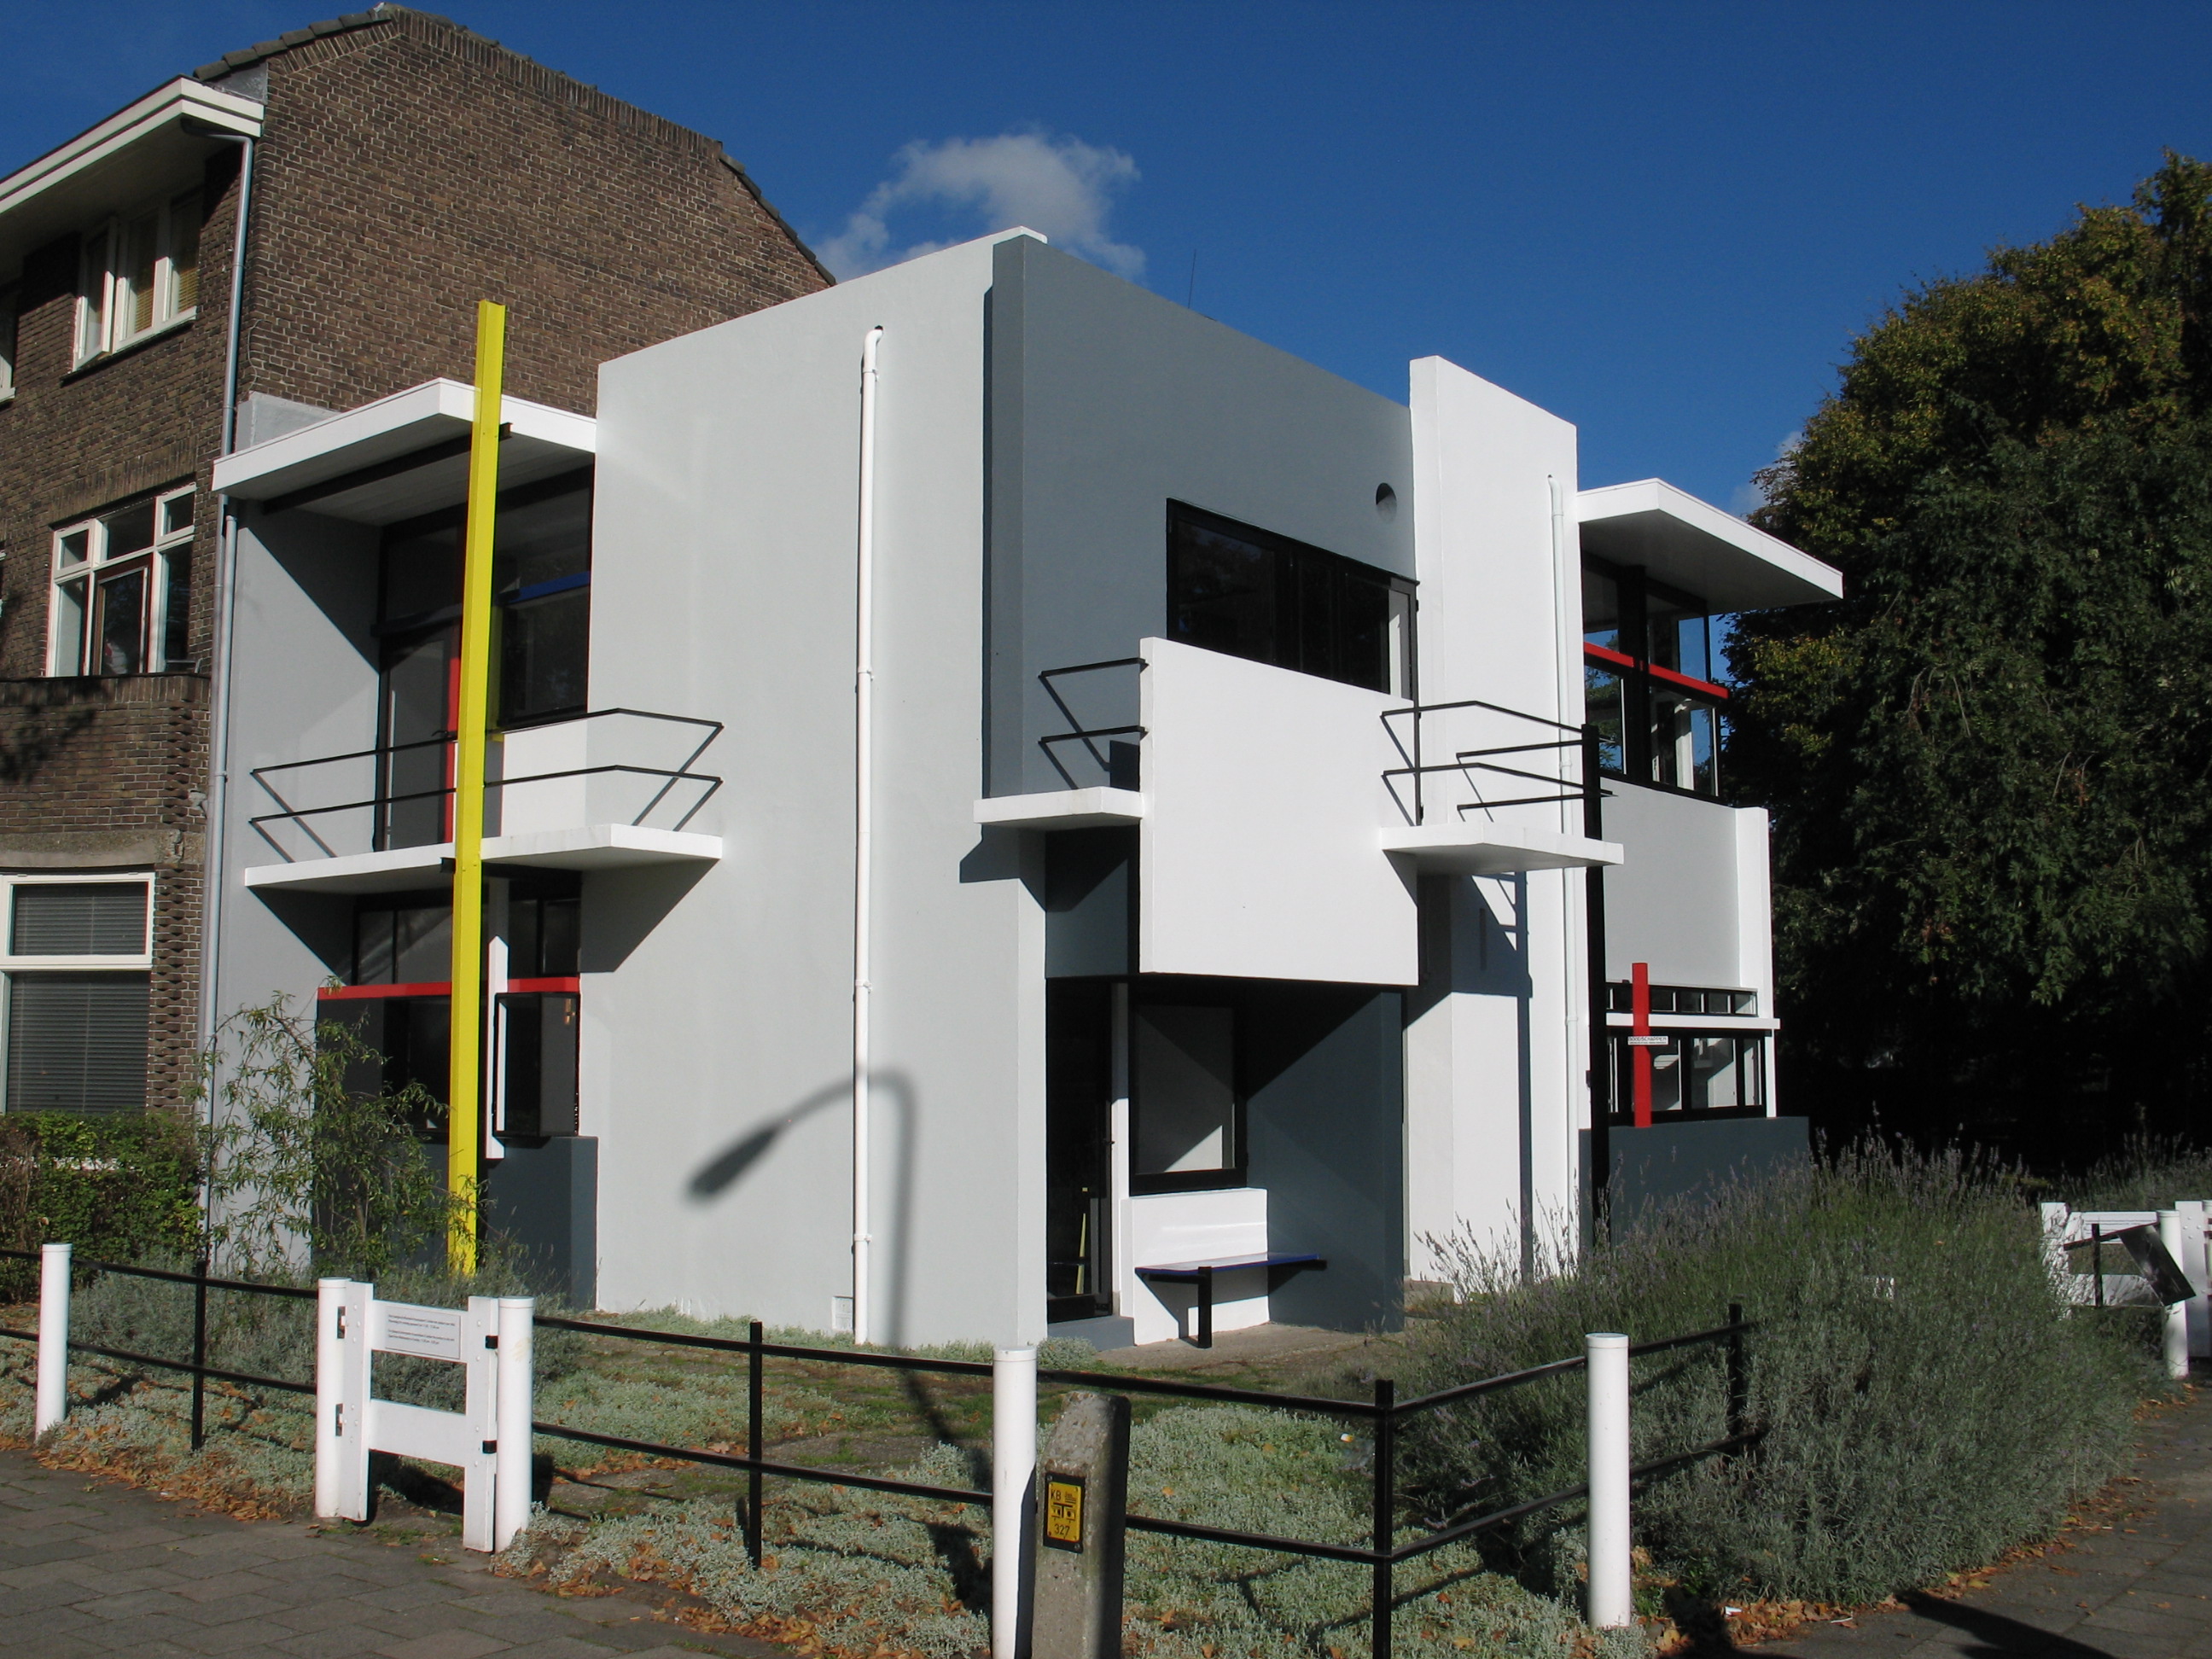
(1489, 1385)
(1476, 702)
(1292, 1402)
(1092, 732)
(778, 1350)
(308, 1293)
(766, 1466)
(494, 783)
(1715, 1335)
(243, 1378)
(1258, 1540)
(1090, 667)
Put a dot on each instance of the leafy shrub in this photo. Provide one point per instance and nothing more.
(116, 1189)
(1925, 1401)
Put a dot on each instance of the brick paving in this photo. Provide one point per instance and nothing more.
(90, 1567)
(2141, 1589)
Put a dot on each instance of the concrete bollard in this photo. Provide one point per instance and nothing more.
(2177, 1313)
(52, 1399)
(1013, 1464)
(1082, 1492)
(517, 1412)
(1612, 1593)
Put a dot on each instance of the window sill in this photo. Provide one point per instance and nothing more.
(162, 331)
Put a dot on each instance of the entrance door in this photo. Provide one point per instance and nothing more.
(1078, 1210)
(421, 688)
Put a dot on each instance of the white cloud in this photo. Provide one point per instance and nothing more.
(1062, 186)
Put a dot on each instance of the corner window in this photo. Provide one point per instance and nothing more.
(1249, 592)
(140, 273)
(122, 590)
(1694, 1073)
(7, 345)
(1648, 681)
(74, 966)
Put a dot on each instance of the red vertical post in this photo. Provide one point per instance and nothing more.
(1639, 1016)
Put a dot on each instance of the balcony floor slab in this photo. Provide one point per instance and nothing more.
(587, 847)
(1474, 848)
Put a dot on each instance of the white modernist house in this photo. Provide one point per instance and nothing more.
(1020, 808)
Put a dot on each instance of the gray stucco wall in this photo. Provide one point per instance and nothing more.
(303, 684)
(1106, 403)
(717, 1037)
(1323, 1119)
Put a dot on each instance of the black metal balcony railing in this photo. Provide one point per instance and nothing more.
(1570, 783)
(391, 829)
(1117, 764)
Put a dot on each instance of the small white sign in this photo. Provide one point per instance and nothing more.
(1648, 1042)
(425, 1332)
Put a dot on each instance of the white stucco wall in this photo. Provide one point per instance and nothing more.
(1497, 1042)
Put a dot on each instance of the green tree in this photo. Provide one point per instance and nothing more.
(1990, 764)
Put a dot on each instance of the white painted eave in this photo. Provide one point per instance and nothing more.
(541, 442)
(1475, 848)
(135, 155)
(590, 847)
(1693, 545)
(1062, 809)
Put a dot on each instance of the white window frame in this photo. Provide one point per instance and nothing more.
(83, 564)
(8, 344)
(10, 963)
(105, 290)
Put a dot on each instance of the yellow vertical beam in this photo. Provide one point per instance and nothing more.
(464, 1084)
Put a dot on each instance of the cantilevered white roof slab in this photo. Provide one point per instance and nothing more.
(1688, 544)
(402, 455)
(134, 156)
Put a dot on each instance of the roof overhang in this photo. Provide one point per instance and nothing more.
(137, 154)
(403, 455)
(1687, 544)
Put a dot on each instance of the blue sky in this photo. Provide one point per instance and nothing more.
(1664, 222)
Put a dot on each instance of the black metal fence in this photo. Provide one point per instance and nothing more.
(1384, 1411)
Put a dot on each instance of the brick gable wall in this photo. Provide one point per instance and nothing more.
(408, 169)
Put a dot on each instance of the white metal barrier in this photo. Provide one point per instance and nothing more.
(1611, 1578)
(2181, 1230)
(491, 1340)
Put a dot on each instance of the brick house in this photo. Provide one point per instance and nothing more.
(381, 173)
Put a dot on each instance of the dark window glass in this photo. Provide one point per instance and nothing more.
(543, 937)
(122, 624)
(538, 1039)
(1248, 592)
(422, 570)
(404, 944)
(131, 530)
(77, 1042)
(542, 579)
(177, 623)
(80, 919)
(1183, 1083)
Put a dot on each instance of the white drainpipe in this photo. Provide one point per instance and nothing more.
(864, 740)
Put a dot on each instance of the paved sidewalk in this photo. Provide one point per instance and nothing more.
(2141, 1589)
(90, 1567)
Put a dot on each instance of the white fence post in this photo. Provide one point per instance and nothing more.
(1014, 1474)
(53, 1337)
(341, 1399)
(517, 1411)
(1612, 1599)
(2177, 1314)
(2193, 1263)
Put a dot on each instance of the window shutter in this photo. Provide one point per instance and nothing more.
(77, 1042)
(81, 918)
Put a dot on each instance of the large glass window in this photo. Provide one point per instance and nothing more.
(1694, 1072)
(74, 970)
(140, 273)
(1184, 1093)
(1649, 685)
(122, 590)
(1249, 592)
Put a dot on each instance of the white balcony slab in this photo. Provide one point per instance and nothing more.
(1062, 809)
(587, 847)
(1473, 848)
